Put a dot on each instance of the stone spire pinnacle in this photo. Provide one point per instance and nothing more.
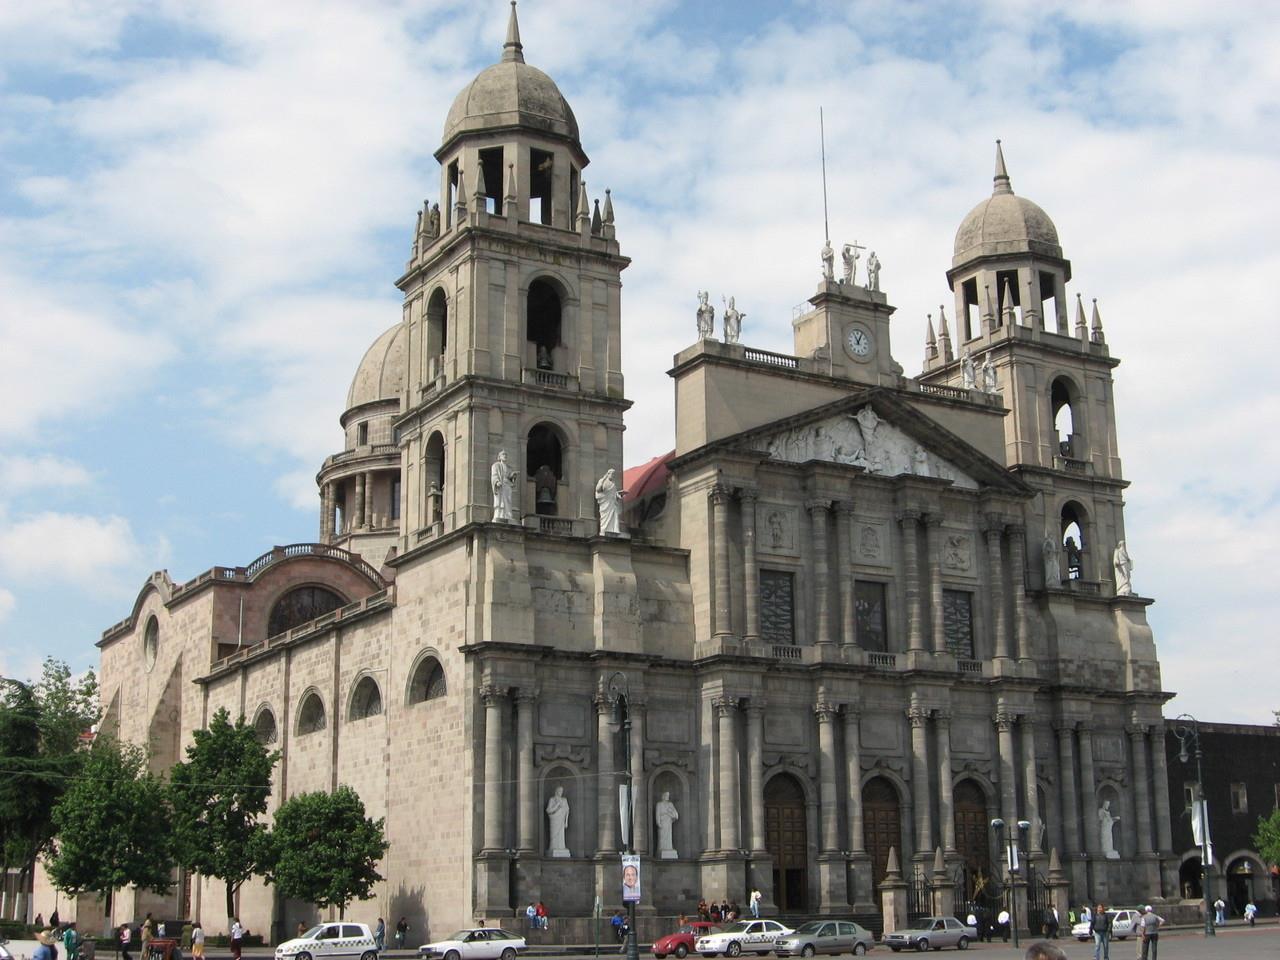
(510, 199)
(584, 208)
(608, 206)
(1082, 329)
(930, 341)
(1096, 327)
(1006, 313)
(944, 335)
(1002, 184)
(513, 49)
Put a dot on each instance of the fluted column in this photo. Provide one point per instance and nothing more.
(495, 713)
(919, 719)
(1089, 795)
(727, 709)
(720, 575)
(642, 814)
(854, 778)
(755, 773)
(829, 818)
(1031, 799)
(1160, 784)
(844, 569)
(606, 780)
(1008, 783)
(1141, 786)
(357, 518)
(1018, 565)
(909, 519)
(998, 614)
(751, 566)
(933, 530)
(946, 804)
(821, 570)
(369, 516)
(1067, 781)
(527, 805)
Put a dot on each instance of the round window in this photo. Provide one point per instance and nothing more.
(151, 642)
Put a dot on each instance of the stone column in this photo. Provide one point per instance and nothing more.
(1008, 783)
(909, 520)
(918, 716)
(1018, 566)
(527, 811)
(1141, 788)
(751, 566)
(829, 816)
(1031, 802)
(495, 713)
(642, 814)
(1089, 795)
(720, 573)
(1160, 780)
(606, 779)
(844, 569)
(998, 615)
(727, 709)
(853, 778)
(1067, 779)
(821, 573)
(326, 512)
(357, 512)
(755, 773)
(370, 517)
(946, 807)
(933, 530)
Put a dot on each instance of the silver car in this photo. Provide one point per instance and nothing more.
(932, 933)
(825, 936)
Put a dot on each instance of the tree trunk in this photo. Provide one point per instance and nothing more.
(231, 904)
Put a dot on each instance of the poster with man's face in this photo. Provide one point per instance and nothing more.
(630, 879)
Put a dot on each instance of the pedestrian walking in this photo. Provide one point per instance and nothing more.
(618, 921)
(71, 942)
(402, 928)
(1052, 923)
(1002, 921)
(237, 938)
(1151, 923)
(1100, 925)
(1219, 912)
(148, 934)
(126, 938)
(380, 935)
(756, 897)
(197, 941)
(1251, 912)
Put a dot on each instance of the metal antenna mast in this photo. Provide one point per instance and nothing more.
(822, 139)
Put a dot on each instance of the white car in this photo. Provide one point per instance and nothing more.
(753, 936)
(326, 940)
(477, 943)
(1123, 924)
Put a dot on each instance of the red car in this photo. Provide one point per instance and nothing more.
(681, 942)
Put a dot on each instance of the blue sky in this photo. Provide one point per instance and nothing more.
(205, 205)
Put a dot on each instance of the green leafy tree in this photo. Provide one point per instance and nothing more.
(219, 793)
(113, 826)
(325, 850)
(1267, 839)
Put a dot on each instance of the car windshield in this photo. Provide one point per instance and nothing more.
(460, 935)
(736, 927)
(813, 926)
(313, 932)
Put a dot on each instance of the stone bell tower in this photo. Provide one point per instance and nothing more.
(512, 305)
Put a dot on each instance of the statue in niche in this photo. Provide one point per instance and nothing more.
(666, 814)
(1105, 835)
(777, 528)
(609, 503)
(732, 322)
(1052, 563)
(920, 462)
(706, 316)
(989, 382)
(828, 262)
(867, 423)
(968, 373)
(546, 485)
(557, 823)
(850, 256)
(873, 272)
(502, 480)
(433, 229)
(1074, 562)
(1124, 570)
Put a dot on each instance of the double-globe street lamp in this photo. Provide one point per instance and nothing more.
(1187, 729)
(1016, 849)
(619, 697)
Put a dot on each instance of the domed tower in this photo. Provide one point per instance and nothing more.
(1009, 278)
(512, 305)
(360, 487)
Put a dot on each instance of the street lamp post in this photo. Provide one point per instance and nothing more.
(1014, 848)
(620, 697)
(1187, 729)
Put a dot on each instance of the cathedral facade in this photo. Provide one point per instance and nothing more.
(857, 615)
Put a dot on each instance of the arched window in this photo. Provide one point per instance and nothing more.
(543, 323)
(433, 473)
(300, 605)
(1073, 524)
(151, 643)
(544, 465)
(366, 700)
(437, 330)
(428, 681)
(1062, 401)
(264, 726)
(311, 716)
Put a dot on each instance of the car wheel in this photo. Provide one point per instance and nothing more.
(859, 949)
(452, 955)
(808, 950)
(922, 945)
(509, 954)
(682, 951)
(962, 943)
(302, 956)
(369, 955)
(734, 949)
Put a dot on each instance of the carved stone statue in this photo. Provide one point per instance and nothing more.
(989, 382)
(850, 256)
(706, 316)
(968, 372)
(920, 462)
(1105, 835)
(1124, 570)
(1075, 563)
(434, 228)
(732, 322)
(873, 271)
(828, 261)
(557, 824)
(666, 814)
(1052, 563)
(609, 503)
(502, 479)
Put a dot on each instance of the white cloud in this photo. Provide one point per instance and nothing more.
(19, 474)
(96, 554)
(7, 603)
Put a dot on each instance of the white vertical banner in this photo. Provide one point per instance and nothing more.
(624, 807)
(1013, 858)
(1200, 826)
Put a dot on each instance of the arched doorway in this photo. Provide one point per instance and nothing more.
(881, 825)
(1189, 879)
(1241, 875)
(786, 837)
(972, 839)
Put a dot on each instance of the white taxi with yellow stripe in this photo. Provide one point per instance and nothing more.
(331, 940)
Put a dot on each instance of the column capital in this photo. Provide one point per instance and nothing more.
(492, 694)
(525, 695)
(992, 531)
(725, 706)
(1004, 720)
(852, 714)
(1136, 731)
(932, 520)
(826, 711)
(817, 506)
(1065, 728)
(942, 718)
(1015, 529)
(917, 715)
(907, 517)
(845, 507)
(754, 708)
(748, 494)
(719, 493)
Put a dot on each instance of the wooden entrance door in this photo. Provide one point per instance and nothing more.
(881, 825)
(972, 828)
(786, 837)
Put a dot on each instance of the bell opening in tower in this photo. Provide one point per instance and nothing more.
(544, 466)
(454, 193)
(971, 309)
(542, 327)
(541, 170)
(491, 178)
(437, 331)
(1006, 280)
(1073, 522)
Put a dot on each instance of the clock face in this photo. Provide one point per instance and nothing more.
(858, 339)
